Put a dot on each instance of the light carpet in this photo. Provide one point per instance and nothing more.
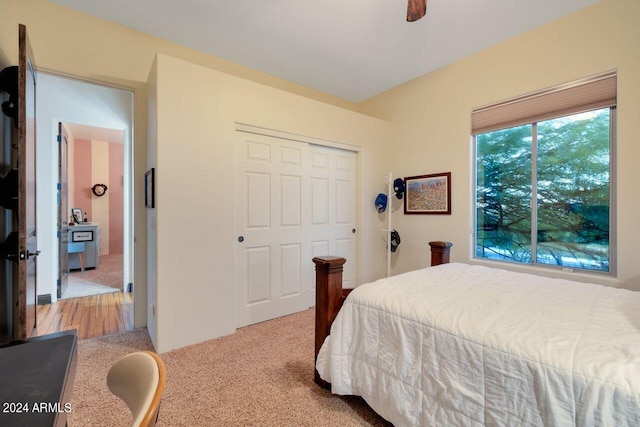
(262, 375)
(78, 287)
(108, 273)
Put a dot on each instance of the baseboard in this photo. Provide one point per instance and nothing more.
(44, 299)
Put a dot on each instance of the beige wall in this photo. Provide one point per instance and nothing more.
(197, 112)
(6, 25)
(431, 119)
(73, 43)
(150, 214)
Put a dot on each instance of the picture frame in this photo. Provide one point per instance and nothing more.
(428, 194)
(149, 190)
(82, 236)
(76, 213)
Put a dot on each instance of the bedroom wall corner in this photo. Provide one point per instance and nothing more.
(151, 242)
(431, 121)
(198, 109)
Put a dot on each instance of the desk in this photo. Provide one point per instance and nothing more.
(89, 234)
(36, 380)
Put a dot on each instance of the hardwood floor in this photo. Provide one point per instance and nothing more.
(93, 316)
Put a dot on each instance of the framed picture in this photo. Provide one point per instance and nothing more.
(149, 191)
(428, 194)
(77, 215)
(82, 236)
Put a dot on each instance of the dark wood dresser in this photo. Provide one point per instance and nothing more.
(36, 380)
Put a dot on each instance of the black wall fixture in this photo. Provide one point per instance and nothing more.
(10, 247)
(9, 190)
(9, 84)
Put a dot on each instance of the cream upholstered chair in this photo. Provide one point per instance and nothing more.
(138, 379)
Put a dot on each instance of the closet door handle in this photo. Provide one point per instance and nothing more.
(240, 239)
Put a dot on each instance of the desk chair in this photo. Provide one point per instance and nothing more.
(138, 379)
(77, 248)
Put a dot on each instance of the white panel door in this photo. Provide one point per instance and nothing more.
(294, 201)
(273, 258)
(333, 207)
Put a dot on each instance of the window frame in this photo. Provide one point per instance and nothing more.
(612, 272)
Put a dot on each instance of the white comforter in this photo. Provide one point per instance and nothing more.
(461, 345)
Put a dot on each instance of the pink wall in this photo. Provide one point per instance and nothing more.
(116, 197)
(82, 176)
(82, 169)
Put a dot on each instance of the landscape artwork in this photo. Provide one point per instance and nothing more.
(428, 194)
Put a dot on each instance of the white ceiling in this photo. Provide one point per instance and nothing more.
(96, 133)
(353, 49)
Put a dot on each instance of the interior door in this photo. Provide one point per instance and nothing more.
(333, 209)
(27, 236)
(63, 210)
(273, 258)
(294, 201)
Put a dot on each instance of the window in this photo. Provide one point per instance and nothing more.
(544, 181)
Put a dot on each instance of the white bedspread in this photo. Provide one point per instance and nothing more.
(461, 345)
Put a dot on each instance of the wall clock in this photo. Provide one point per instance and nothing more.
(99, 189)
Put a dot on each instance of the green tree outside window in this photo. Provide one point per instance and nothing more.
(566, 163)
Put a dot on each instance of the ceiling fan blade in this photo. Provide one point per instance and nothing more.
(416, 9)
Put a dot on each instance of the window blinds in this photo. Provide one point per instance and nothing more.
(570, 98)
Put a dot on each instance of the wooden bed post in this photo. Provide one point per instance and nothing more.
(440, 252)
(329, 299)
(330, 296)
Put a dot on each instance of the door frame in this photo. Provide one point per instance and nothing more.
(128, 173)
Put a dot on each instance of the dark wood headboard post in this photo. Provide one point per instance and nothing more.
(440, 252)
(329, 299)
(330, 295)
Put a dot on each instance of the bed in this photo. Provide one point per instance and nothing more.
(467, 345)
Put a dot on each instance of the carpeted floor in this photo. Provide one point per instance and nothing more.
(78, 287)
(109, 272)
(260, 376)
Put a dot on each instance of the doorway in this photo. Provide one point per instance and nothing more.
(95, 187)
(98, 125)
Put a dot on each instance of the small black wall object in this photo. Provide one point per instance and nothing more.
(9, 190)
(395, 240)
(9, 84)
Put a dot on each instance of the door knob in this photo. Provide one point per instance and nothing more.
(240, 239)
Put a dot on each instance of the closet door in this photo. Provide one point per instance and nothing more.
(333, 212)
(273, 261)
(294, 201)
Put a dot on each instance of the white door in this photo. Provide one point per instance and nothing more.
(333, 213)
(275, 205)
(63, 210)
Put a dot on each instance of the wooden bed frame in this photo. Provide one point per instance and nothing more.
(330, 295)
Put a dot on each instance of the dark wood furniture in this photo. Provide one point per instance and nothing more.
(36, 380)
(330, 296)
